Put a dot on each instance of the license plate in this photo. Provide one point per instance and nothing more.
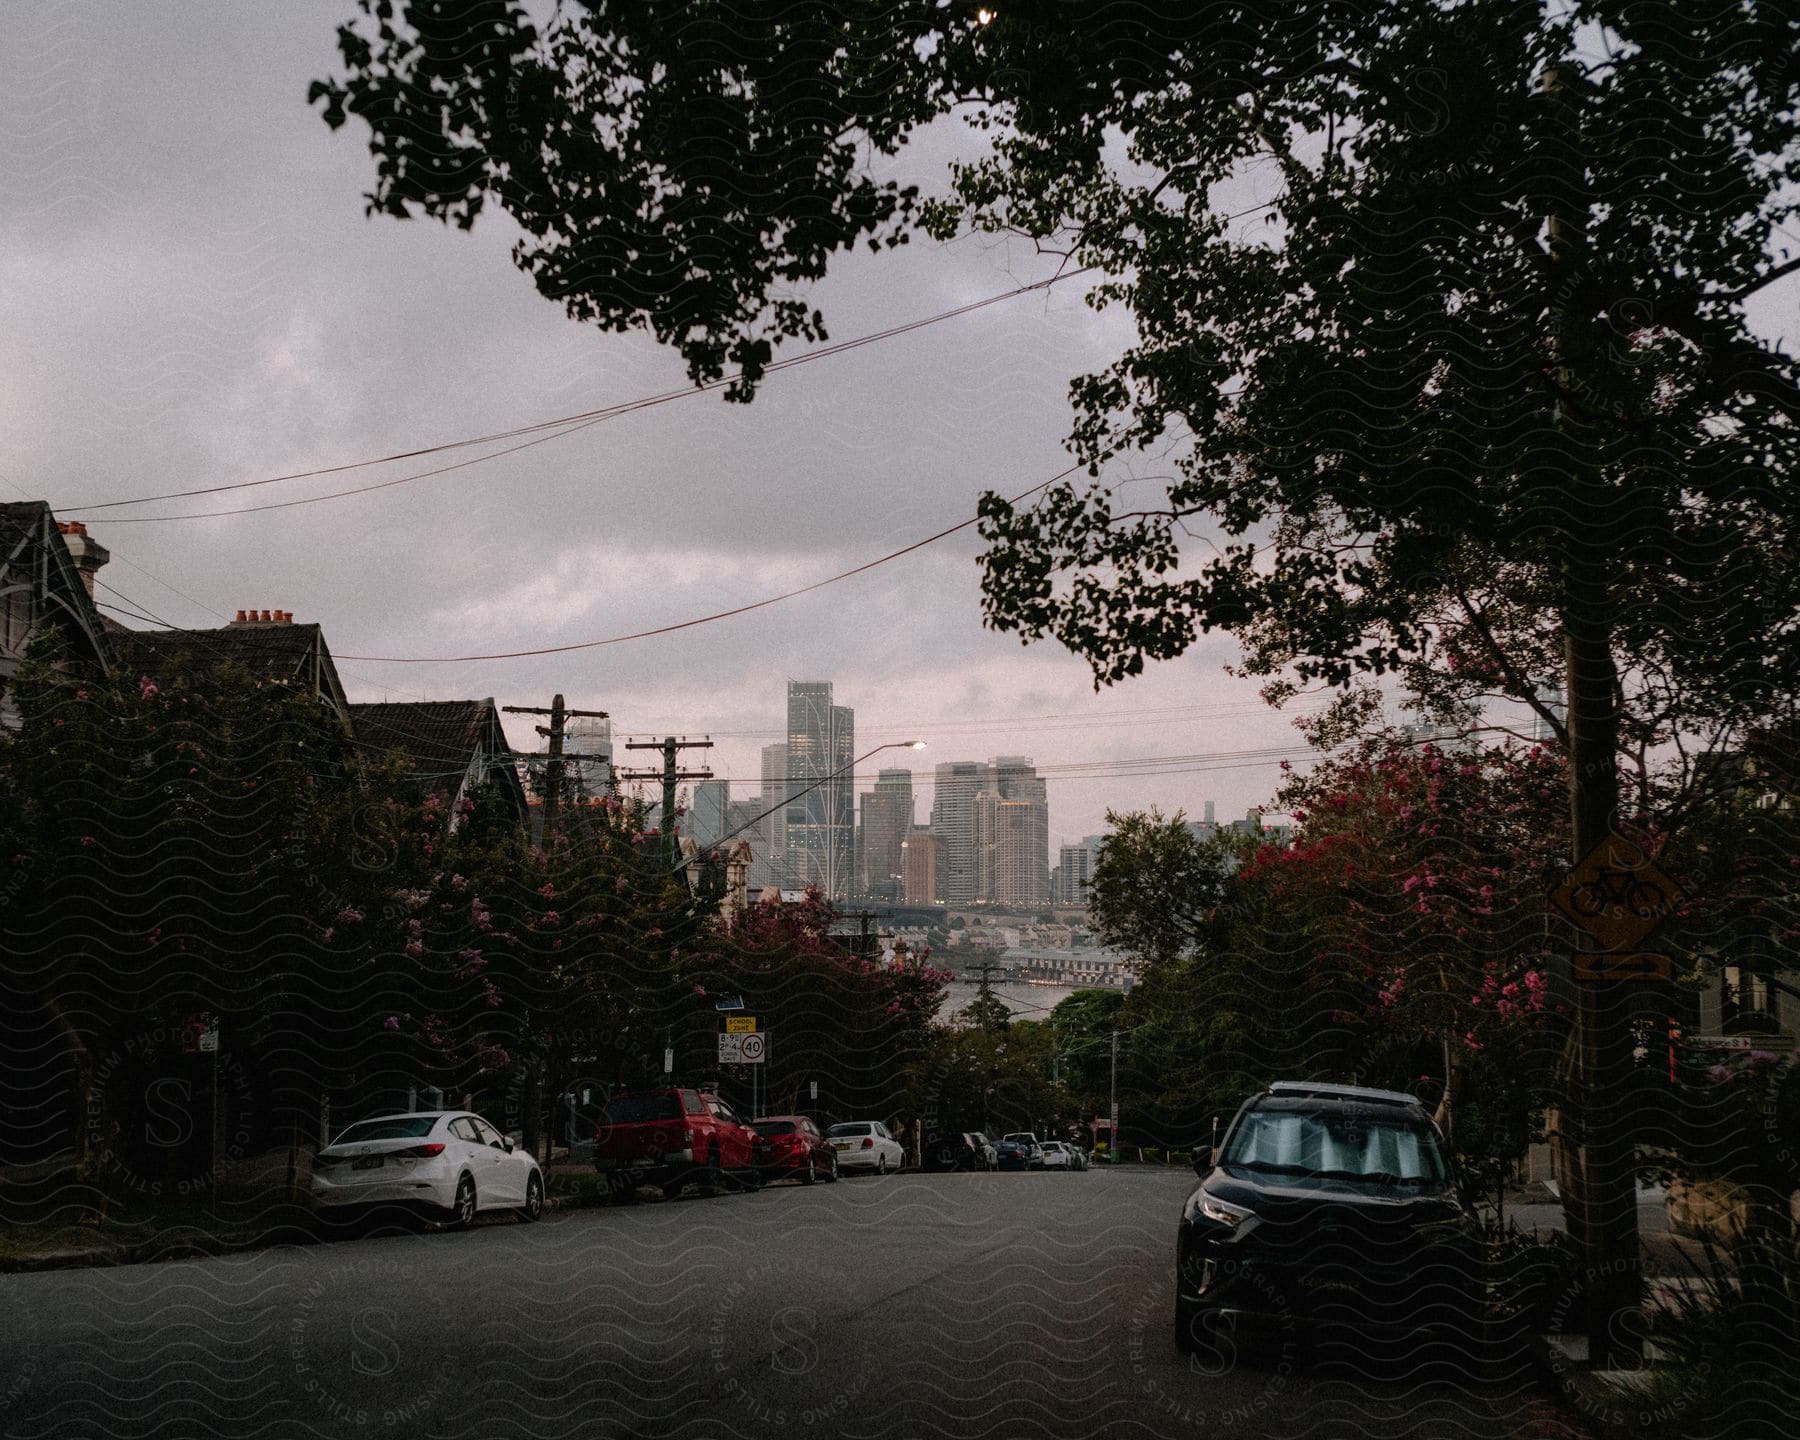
(841, 1145)
(367, 1162)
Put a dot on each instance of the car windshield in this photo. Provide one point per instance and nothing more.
(634, 1109)
(1338, 1145)
(855, 1127)
(774, 1127)
(401, 1127)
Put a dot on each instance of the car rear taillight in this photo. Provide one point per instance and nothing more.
(868, 1144)
(421, 1152)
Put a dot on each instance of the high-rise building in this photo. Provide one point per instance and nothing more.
(1551, 698)
(922, 866)
(590, 736)
(770, 841)
(1012, 834)
(705, 820)
(821, 815)
(887, 818)
(957, 783)
(1074, 871)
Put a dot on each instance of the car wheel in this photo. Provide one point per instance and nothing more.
(462, 1209)
(1197, 1335)
(712, 1180)
(811, 1174)
(534, 1198)
(881, 1164)
(623, 1191)
(831, 1175)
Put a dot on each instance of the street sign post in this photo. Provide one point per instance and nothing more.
(1597, 966)
(752, 1049)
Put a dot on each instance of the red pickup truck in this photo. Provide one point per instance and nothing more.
(670, 1138)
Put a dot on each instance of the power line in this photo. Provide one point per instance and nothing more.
(556, 428)
(703, 619)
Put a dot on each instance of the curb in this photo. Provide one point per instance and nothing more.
(149, 1252)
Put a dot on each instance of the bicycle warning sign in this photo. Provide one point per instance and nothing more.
(1616, 894)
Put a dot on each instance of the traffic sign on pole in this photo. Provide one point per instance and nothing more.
(740, 1024)
(752, 1049)
(1617, 894)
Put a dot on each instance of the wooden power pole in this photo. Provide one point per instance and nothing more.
(559, 715)
(670, 775)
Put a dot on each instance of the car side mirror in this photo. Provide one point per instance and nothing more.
(1203, 1160)
(507, 1145)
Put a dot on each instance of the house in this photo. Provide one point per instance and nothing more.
(266, 644)
(47, 579)
(455, 746)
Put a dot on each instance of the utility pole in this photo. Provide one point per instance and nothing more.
(1605, 1199)
(559, 717)
(670, 775)
(1113, 1135)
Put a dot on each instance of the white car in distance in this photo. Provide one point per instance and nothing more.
(1059, 1155)
(448, 1163)
(866, 1145)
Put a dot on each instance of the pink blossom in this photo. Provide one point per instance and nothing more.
(146, 687)
(390, 1023)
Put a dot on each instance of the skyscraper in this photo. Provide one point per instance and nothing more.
(770, 841)
(706, 813)
(590, 736)
(821, 815)
(953, 794)
(887, 817)
(922, 865)
(1012, 825)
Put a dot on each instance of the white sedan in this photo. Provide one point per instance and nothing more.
(1061, 1156)
(866, 1145)
(447, 1162)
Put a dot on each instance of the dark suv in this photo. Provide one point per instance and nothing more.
(1328, 1204)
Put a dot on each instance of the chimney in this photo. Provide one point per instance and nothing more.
(88, 555)
(246, 618)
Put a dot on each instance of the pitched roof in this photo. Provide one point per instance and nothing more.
(24, 523)
(293, 654)
(442, 738)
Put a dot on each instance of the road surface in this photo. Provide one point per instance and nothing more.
(917, 1305)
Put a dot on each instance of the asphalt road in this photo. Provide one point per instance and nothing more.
(918, 1305)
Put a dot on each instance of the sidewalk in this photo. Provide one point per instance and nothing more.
(1539, 1208)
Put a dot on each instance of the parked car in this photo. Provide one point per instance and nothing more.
(1328, 1205)
(797, 1151)
(957, 1150)
(670, 1138)
(866, 1145)
(984, 1147)
(1061, 1156)
(1012, 1155)
(1032, 1148)
(449, 1164)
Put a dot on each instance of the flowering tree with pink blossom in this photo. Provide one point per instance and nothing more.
(1415, 885)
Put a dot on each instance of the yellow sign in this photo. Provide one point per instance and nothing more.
(1590, 966)
(1616, 894)
(740, 1025)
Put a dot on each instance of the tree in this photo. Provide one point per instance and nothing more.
(1483, 381)
(1156, 887)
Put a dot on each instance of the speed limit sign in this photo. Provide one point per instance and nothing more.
(752, 1049)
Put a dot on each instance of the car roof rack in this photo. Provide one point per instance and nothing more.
(1319, 1090)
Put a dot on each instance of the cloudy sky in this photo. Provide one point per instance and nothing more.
(190, 295)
